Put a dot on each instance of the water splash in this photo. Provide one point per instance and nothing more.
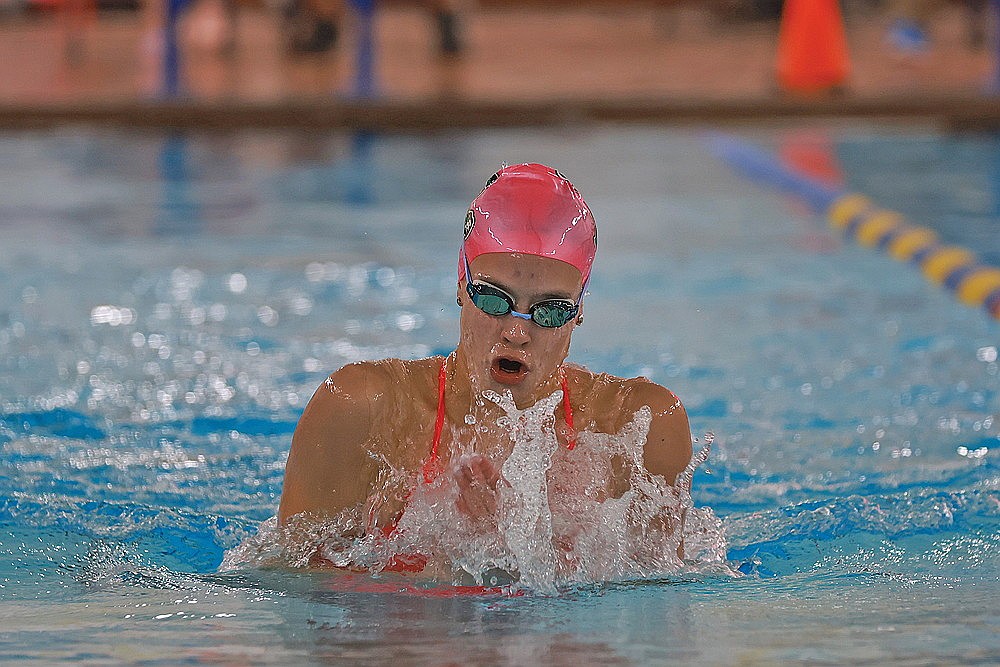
(524, 512)
(563, 517)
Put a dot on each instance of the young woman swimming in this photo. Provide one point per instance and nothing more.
(530, 241)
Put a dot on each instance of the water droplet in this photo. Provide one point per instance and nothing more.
(237, 283)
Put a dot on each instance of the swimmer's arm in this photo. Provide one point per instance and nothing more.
(668, 444)
(325, 469)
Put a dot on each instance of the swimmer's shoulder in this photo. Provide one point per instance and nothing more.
(642, 391)
(358, 380)
(383, 381)
(622, 397)
(667, 451)
(350, 396)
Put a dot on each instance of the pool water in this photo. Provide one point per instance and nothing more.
(170, 302)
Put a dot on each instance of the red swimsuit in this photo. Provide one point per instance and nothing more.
(430, 468)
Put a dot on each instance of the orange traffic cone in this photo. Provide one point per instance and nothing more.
(812, 48)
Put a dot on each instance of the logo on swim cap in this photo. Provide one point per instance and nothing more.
(470, 222)
(490, 181)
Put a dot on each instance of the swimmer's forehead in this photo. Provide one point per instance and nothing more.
(528, 276)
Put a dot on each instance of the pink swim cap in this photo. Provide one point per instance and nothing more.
(532, 209)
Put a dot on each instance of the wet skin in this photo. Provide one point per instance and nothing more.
(388, 407)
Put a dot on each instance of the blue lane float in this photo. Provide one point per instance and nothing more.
(858, 218)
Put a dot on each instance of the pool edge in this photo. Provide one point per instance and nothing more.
(962, 112)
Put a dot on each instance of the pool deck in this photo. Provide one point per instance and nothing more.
(526, 64)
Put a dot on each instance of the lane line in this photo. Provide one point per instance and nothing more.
(955, 268)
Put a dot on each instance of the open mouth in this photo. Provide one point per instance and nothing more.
(508, 371)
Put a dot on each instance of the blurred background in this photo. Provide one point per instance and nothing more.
(234, 52)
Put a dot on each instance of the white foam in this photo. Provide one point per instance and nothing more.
(559, 521)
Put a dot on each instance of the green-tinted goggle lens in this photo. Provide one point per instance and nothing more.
(493, 301)
(552, 315)
(491, 304)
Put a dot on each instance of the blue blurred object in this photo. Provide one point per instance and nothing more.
(760, 165)
(171, 49)
(364, 82)
(908, 37)
(993, 86)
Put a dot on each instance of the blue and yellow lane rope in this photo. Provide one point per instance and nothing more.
(858, 218)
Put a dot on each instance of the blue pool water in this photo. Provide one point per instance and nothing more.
(169, 304)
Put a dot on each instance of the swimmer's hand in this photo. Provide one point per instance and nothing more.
(477, 479)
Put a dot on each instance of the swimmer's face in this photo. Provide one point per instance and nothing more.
(509, 353)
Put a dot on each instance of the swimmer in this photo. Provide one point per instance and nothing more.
(523, 269)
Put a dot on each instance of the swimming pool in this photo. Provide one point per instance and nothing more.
(171, 301)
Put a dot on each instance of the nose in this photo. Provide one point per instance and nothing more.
(515, 331)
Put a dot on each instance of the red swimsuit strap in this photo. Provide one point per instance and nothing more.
(430, 468)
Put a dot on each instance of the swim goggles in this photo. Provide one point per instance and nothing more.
(550, 313)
